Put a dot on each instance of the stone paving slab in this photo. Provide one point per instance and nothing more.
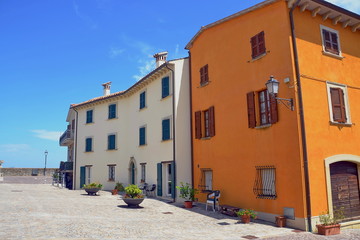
(42, 211)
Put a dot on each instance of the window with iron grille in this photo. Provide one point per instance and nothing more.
(143, 171)
(111, 172)
(265, 182)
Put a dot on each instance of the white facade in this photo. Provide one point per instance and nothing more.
(129, 159)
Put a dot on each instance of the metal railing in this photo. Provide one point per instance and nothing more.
(66, 137)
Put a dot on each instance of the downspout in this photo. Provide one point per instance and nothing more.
(173, 113)
(191, 123)
(302, 119)
(75, 155)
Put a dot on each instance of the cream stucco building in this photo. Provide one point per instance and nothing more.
(142, 133)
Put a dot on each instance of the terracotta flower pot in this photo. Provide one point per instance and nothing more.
(328, 229)
(280, 221)
(188, 204)
(245, 218)
(114, 192)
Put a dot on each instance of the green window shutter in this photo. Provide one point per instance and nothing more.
(112, 111)
(173, 180)
(82, 176)
(166, 129)
(142, 100)
(142, 136)
(111, 142)
(159, 179)
(88, 143)
(89, 116)
(165, 83)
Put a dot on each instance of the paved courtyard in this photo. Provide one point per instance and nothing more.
(42, 211)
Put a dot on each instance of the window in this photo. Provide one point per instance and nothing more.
(88, 144)
(267, 109)
(112, 111)
(89, 116)
(88, 174)
(142, 136)
(111, 142)
(142, 100)
(111, 172)
(165, 87)
(330, 40)
(264, 186)
(209, 123)
(258, 45)
(143, 171)
(206, 180)
(338, 103)
(165, 129)
(204, 75)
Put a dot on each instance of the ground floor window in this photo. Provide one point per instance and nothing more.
(143, 172)
(111, 172)
(206, 179)
(88, 174)
(264, 186)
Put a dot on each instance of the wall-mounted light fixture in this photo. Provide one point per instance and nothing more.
(272, 86)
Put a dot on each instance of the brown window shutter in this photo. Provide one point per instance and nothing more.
(334, 43)
(327, 40)
(251, 109)
(254, 49)
(201, 75)
(274, 116)
(261, 43)
(198, 124)
(206, 73)
(211, 121)
(338, 105)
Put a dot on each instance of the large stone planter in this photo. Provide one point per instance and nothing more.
(91, 191)
(133, 202)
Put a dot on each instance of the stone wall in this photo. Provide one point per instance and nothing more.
(27, 171)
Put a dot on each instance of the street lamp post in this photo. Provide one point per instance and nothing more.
(46, 153)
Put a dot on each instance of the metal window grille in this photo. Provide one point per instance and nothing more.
(111, 173)
(265, 182)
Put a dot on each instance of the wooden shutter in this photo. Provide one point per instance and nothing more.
(166, 129)
(334, 43)
(165, 87)
(159, 179)
(206, 74)
(338, 105)
(198, 125)
(261, 43)
(273, 110)
(254, 49)
(82, 176)
(211, 122)
(251, 109)
(173, 180)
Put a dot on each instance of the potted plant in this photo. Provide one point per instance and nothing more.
(120, 187)
(329, 225)
(92, 188)
(246, 214)
(133, 196)
(188, 193)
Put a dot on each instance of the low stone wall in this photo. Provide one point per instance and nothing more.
(27, 171)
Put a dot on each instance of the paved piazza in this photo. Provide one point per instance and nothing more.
(42, 211)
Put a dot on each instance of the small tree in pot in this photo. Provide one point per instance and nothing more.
(188, 193)
(329, 225)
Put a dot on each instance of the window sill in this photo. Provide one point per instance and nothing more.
(90, 123)
(263, 126)
(110, 150)
(205, 138)
(88, 151)
(204, 84)
(143, 145)
(341, 124)
(111, 180)
(167, 140)
(141, 109)
(164, 98)
(112, 118)
(258, 57)
(333, 55)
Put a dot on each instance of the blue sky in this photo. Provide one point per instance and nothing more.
(57, 52)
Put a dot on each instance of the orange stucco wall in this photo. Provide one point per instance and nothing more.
(323, 139)
(236, 149)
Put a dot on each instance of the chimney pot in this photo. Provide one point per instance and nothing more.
(160, 58)
(106, 88)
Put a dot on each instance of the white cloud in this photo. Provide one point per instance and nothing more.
(147, 66)
(114, 52)
(84, 17)
(351, 5)
(14, 147)
(48, 135)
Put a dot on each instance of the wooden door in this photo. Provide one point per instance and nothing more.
(345, 188)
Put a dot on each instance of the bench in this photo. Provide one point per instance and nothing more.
(229, 210)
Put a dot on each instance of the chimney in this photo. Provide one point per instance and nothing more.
(106, 88)
(160, 58)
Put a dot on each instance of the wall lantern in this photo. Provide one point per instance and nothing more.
(272, 86)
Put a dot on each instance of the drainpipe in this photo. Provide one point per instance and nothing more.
(173, 113)
(302, 119)
(191, 125)
(75, 149)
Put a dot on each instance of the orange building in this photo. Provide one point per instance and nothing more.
(254, 149)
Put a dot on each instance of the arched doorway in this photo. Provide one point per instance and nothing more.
(132, 171)
(345, 188)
